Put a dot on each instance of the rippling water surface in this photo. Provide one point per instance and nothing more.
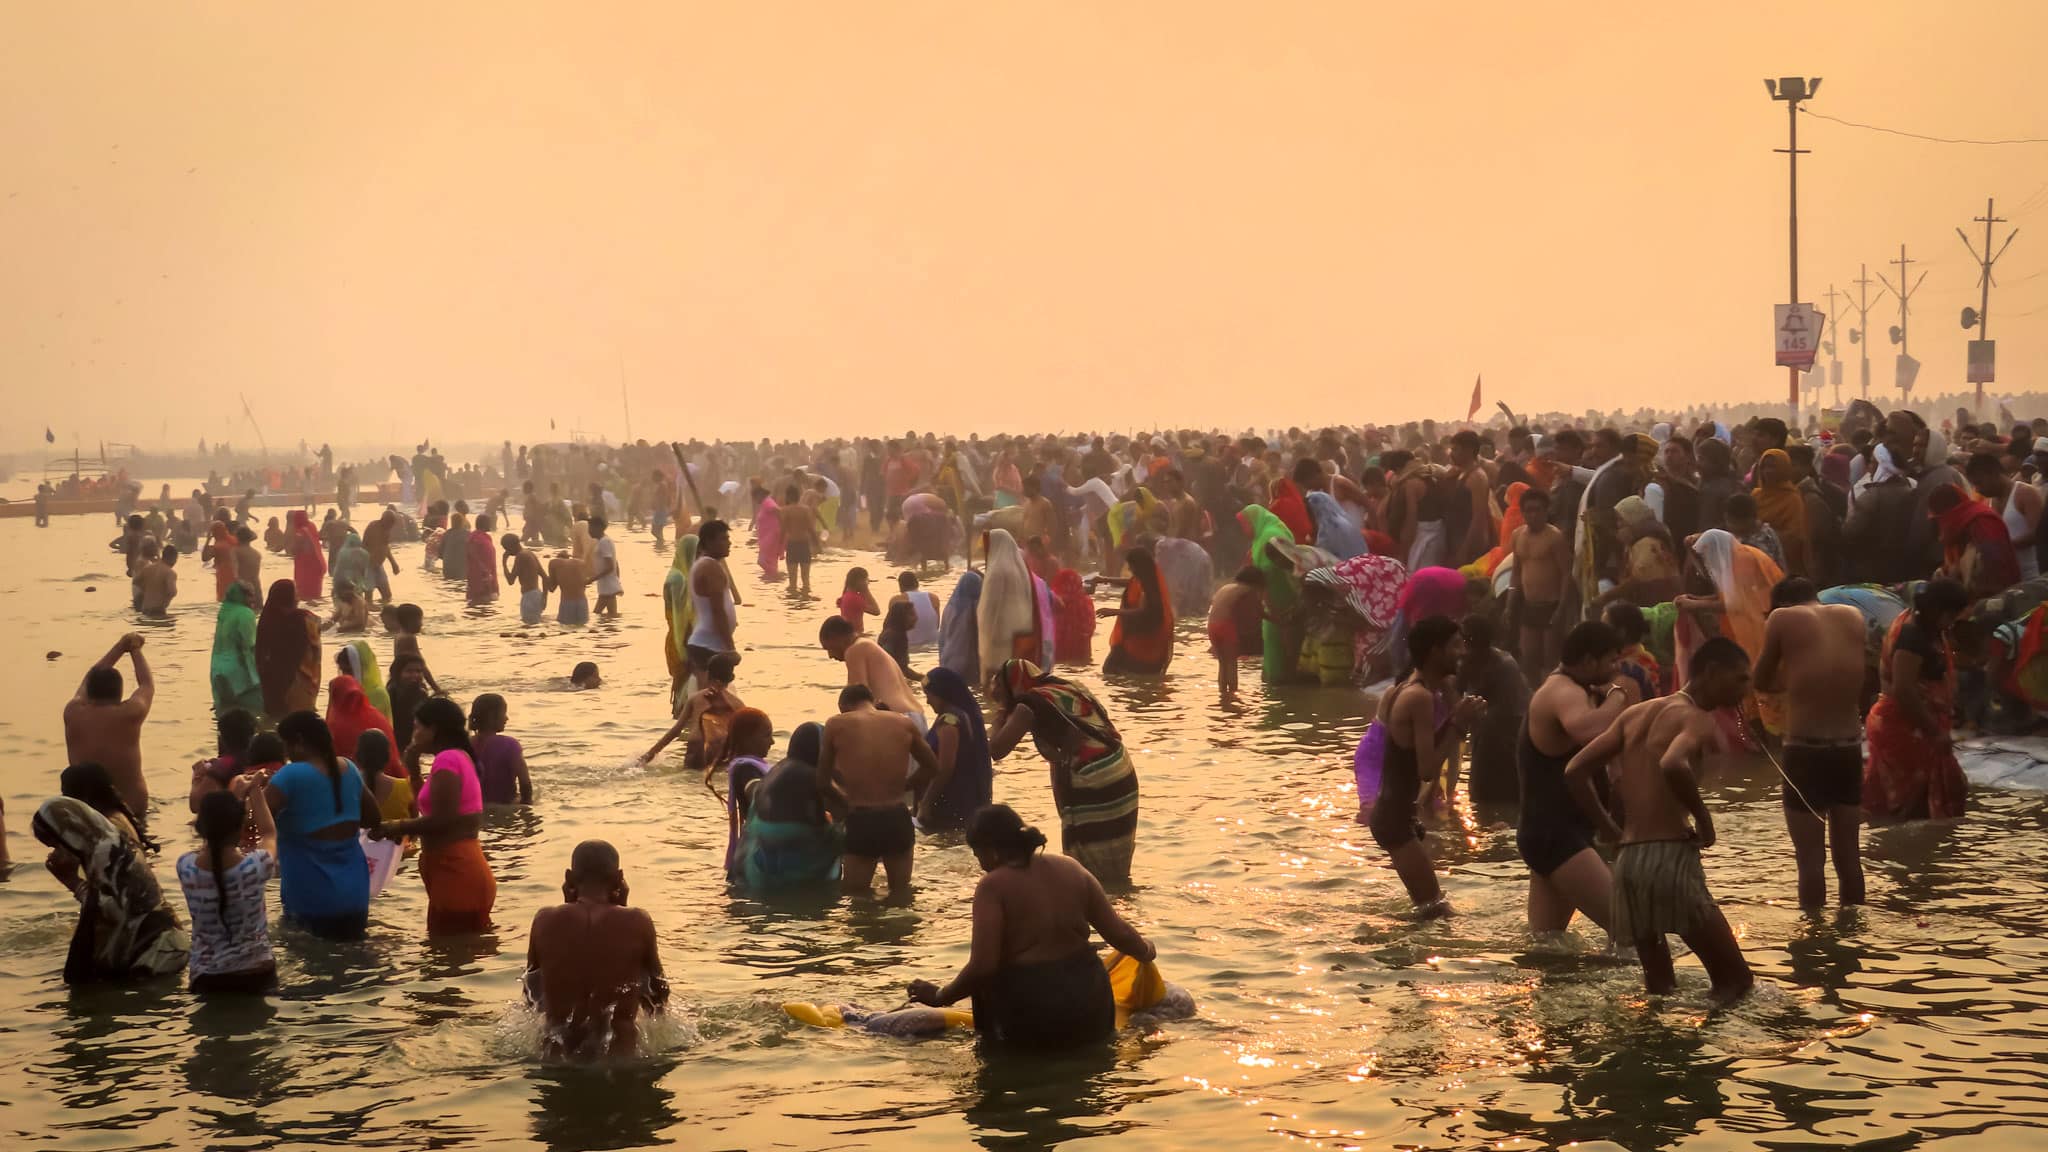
(1327, 1018)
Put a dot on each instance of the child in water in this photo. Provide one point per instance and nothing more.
(224, 888)
(405, 622)
(856, 603)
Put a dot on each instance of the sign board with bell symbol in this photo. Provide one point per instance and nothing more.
(1798, 331)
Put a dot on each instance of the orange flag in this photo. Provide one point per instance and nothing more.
(1475, 399)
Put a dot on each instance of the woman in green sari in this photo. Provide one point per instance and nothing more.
(1281, 659)
(681, 614)
(233, 668)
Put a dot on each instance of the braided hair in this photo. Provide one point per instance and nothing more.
(220, 824)
(310, 732)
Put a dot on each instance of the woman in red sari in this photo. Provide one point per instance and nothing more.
(483, 562)
(1976, 546)
(1288, 505)
(1912, 772)
(309, 558)
(1073, 610)
(1142, 639)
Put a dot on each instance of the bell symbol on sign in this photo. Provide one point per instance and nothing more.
(1795, 321)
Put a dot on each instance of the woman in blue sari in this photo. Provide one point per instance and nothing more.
(960, 741)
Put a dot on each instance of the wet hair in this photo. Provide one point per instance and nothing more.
(746, 726)
(1793, 590)
(835, 628)
(219, 823)
(806, 743)
(594, 860)
(235, 728)
(1478, 632)
(720, 667)
(103, 684)
(90, 784)
(1251, 576)
(1941, 595)
(907, 581)
(854, 695)
(510, 543)
(853, 575)
(999, 831)
(372, 750)
(409, 617)
(309, 731)
(584, 669)
(443, 718)
(1589, 640)
(899, 618)
(1717, 652)
(1627, 621)
(713, 530)
(486, 709)
(1427, 636)
(265, 748)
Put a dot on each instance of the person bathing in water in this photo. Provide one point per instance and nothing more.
(1036, 981)
(592, 963)
(1659, 887)
(1423, 716)
(864, 768)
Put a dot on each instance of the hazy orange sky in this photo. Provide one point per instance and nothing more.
(384, 220)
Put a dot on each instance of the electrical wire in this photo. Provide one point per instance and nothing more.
(1921, 135)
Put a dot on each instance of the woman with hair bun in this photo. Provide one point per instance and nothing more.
(1032, 969)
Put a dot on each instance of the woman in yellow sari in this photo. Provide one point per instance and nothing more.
(1780, 504)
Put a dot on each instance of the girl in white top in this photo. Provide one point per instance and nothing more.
(224, 888)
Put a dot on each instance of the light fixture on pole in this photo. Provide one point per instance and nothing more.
(1791, 90)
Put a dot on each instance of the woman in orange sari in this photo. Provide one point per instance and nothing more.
(1742, 578)
(287, 653)
(1141, 641)
(1912, 772)
(220, 552)
(1780, 504)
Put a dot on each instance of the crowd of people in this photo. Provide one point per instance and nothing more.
(1557, 622)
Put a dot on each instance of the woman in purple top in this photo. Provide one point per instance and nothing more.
(500, 762)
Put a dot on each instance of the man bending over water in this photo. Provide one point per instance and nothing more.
(1659, 887)
(1814, 653)
(592, 963)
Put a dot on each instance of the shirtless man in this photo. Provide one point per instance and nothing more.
(1474, 486)
(102, 728)
(592, 963)
(1814, 654)
(1573, 705)
(711, 587)
(1542, 566)
(566, 578)
(868, 666)
(377, 540)
(799, 535)
(869, 760)
(249, 563)
(159, 581)
(1038, 511)
(1659, 886)
(522, 567)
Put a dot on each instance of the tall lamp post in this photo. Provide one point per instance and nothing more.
(1791, 90)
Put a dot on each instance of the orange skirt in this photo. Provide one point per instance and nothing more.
(460, 888)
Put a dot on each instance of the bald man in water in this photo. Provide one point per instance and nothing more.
(592, 963)
(100, 727)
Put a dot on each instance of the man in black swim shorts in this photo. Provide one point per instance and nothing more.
(1815, 654)
(1579, 700)
(869, 760)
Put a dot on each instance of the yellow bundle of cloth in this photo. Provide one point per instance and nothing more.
(1135, 984)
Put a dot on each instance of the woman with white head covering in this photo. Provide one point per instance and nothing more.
(1006, 620)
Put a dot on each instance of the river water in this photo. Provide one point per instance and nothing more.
(1327, 1018)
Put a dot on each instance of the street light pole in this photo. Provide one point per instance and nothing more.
(1791, 90)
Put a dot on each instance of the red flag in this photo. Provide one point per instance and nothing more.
(1475, 399)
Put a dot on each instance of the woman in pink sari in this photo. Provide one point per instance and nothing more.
(483, 562)
(768, 537)
(309, 558)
